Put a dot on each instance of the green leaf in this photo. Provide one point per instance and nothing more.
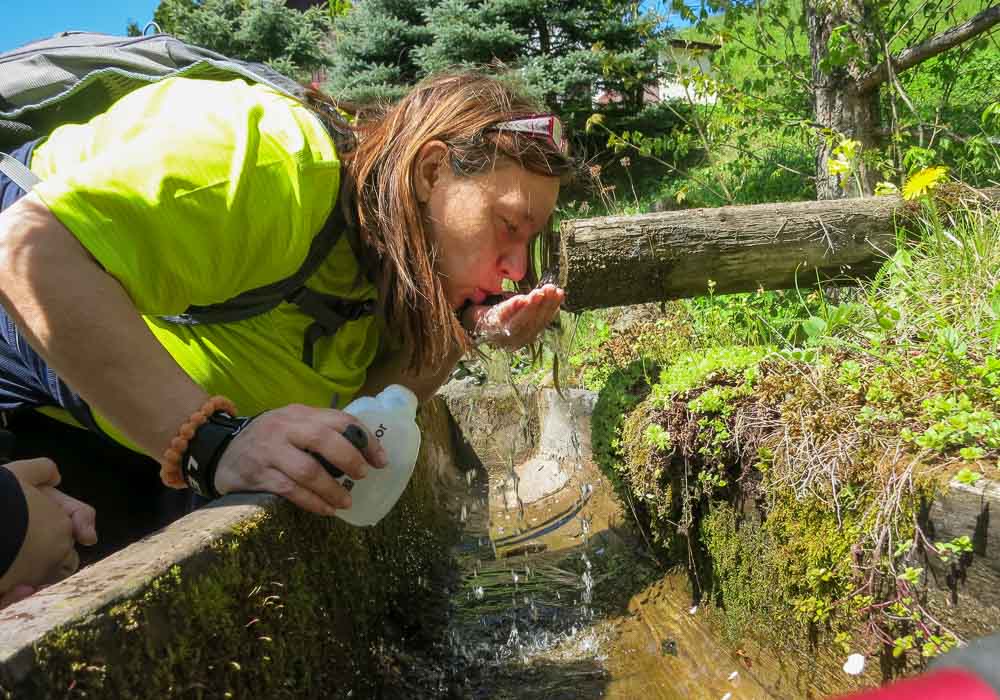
(594, 120)
(814, 327)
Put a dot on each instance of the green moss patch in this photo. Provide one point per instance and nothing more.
(291, 606)
(796, 492)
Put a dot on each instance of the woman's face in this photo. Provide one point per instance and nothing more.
(482, 224)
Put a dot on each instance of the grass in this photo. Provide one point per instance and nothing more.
(840, 413)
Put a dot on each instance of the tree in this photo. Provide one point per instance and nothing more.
(564, 50)
(265, 31)
(851, 58)
(372, 57)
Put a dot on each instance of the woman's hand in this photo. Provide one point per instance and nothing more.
(273, 454)
(516, 321)
(56, 523)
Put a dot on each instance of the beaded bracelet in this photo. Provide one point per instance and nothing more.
(170, 464)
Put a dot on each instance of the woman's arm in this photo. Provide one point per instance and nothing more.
(81, 320)
(83, 323)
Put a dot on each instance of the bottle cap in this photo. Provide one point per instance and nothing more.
(398, 395)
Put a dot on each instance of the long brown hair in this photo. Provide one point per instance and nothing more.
(459, 110)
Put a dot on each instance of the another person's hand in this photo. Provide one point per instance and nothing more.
(516, 321)
(56, 523)
(273, 454)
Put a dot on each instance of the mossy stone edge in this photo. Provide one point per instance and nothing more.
(249, 598)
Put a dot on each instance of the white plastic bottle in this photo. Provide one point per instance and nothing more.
(391, 417)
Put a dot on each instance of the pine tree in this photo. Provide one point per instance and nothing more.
(564, 50)
(373, 52)
(265, 31)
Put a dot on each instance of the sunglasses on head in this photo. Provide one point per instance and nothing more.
(544, 126)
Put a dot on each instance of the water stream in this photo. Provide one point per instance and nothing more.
(559, 599)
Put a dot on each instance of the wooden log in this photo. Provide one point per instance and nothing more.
(622, 260)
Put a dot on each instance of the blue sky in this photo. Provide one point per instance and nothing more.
(36, 19)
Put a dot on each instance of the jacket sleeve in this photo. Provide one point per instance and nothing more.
(190, 192)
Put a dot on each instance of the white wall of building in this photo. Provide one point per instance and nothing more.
(681, 64)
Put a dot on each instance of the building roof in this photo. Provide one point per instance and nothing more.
(689, 44)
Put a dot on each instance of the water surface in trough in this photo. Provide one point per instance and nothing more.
(559, 599)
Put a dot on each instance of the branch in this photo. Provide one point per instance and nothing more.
(907, 58)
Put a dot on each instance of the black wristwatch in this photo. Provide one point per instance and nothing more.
(201, 459)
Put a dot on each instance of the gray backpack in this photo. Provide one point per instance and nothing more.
(75, 76)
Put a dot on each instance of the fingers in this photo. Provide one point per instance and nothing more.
(304, 465)
(35, 472)
(83, 516)
(336, 448)
(299, 482)
(284, 451)
(519, 320)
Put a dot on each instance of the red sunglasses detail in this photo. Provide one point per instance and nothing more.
(545, 126)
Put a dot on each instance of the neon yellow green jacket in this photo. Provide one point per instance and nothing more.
(189, 192)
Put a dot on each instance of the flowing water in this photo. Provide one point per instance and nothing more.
(558, 599)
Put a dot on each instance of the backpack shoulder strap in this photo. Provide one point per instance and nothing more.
(17, 172)
(262, 299)
(328, 312)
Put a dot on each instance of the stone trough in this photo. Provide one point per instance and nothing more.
(245, 596)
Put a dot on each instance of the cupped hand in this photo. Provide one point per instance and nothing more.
(275, 453)
(516, 321)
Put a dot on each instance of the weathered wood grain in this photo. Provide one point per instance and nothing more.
(617, 261)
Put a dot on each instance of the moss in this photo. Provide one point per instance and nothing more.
(647, 473)
(780, 487)
(623, 390)
(290, 606)
(693, 368)
(745, 580)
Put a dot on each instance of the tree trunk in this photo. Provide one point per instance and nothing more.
(840, 106)
(616, 261)
(850, 115)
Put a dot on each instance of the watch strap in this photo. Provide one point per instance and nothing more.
(201, 459)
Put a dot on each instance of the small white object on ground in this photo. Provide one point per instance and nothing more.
(734, 675)
(727, 696)
(855, 664)
(693, 610)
